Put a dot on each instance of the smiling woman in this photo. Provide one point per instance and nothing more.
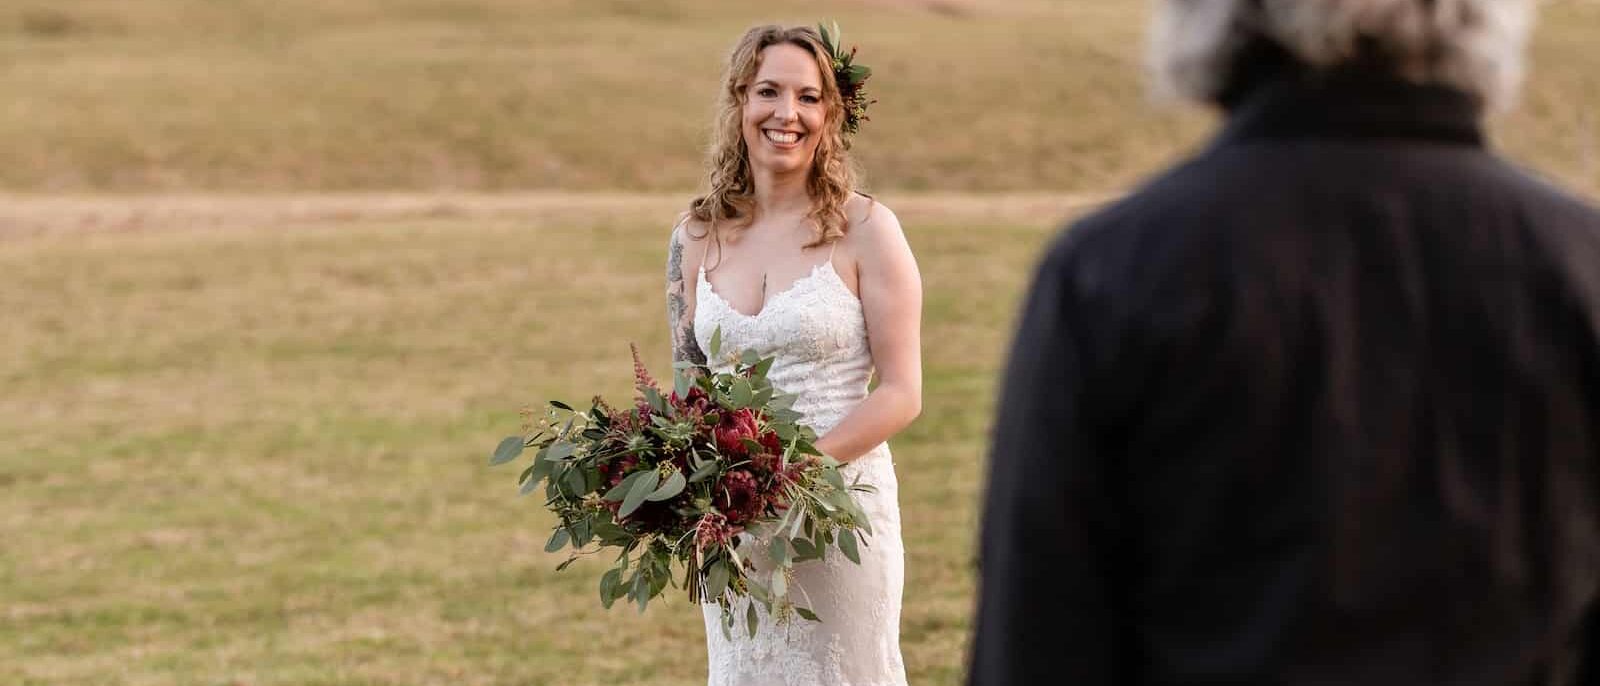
(806, 269)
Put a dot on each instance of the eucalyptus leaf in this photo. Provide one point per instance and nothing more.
(669, 488)
(558, 540)
(507, 451)
(562, 405)
(608, 586)
(530, 484)
(575, 481)
(716, 580)
(740, 394)
(582, 533)
(779, 552)
(640, 490)
(750, 619)
(641, 591)
(560, 450)
(541, 468)
(763, 366)
(794, 529)
(657, 403)
(834, 478)
(807, 614)
(716, 344)
(804, 549)
(847, 545)
(785, 432)
(705, 471)
(749, 358)
(609, 533)
(780, 583)
(620, 491)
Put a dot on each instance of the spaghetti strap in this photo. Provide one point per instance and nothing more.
(683, 223)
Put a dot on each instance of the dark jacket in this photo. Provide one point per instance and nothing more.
(1320, 406)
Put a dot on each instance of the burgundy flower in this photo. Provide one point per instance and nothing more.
(641, 376)
(736, 426)
(712, 529)
(697, 400)
(614, 471)
(772, 443)
(739, 496)
(764, 462)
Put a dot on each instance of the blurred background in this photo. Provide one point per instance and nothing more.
(275, 277)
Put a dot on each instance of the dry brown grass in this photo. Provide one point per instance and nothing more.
(257, 455)
(601, 95)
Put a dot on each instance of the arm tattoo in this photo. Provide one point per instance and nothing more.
(679, 320)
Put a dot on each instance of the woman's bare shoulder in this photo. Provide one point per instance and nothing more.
(871, 222)
(691, 232)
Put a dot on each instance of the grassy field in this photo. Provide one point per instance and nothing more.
(258, 455)
(286, 95)
(243, 431)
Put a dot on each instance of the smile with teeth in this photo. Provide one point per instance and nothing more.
(782, 137)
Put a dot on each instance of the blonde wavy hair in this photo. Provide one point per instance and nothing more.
(729, 203)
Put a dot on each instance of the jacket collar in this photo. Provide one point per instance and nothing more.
(1295, 102)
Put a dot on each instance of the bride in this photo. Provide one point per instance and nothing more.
(785, 258)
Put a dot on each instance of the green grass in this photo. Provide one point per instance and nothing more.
(286, 95)
(258, 456)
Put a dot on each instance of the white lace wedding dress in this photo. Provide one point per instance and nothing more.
(816, 331)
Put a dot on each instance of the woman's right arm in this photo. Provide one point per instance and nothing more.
(680, 297)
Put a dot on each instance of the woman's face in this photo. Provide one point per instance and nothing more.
(783, 110)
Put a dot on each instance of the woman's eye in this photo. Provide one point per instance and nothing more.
(766, 92)
(810, 99)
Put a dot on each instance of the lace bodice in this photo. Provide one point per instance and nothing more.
(815, 329)
(817, 333)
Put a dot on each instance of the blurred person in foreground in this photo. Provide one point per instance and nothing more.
(1320, 405)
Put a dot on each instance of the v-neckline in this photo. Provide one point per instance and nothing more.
(815, 270)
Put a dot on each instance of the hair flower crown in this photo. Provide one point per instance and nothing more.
(851, 77)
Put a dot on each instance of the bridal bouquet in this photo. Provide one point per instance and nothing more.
(673, 479)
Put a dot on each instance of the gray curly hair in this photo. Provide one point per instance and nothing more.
(1473, 45)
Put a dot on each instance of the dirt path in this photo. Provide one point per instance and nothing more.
(24, 216)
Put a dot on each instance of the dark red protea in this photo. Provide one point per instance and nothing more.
(736, 426)
(739, 496)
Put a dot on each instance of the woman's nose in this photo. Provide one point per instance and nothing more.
(785, 110)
